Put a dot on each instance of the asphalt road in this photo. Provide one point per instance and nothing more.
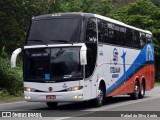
(121, 106)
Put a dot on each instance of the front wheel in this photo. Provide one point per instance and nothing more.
(135, 95)
(100, 98)
(52, 104)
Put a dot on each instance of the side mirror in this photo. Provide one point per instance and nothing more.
(14, 57)
(83, 55)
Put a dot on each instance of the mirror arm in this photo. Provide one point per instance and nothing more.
(14, 57)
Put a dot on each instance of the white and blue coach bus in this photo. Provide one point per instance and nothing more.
(73, 57)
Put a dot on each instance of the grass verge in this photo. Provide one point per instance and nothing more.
(157, 84)
(6, 97)
(11, 99)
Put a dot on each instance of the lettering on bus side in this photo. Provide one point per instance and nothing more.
(115, 75)
(115, 69)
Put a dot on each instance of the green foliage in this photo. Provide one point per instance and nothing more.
(156, 2)
(102, 7)
(142, 14)
(145, 15)
(4, 93)
(15, 16)
(10, 79)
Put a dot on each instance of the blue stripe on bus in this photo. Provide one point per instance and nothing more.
(141, 59)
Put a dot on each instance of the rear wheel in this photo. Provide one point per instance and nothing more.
(135, 95)
(142, 92)
(52, 104)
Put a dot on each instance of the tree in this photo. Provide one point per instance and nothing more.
(143, 14)
(102, 7)
(15, 16)
(156, 2)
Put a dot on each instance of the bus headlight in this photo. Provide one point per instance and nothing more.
(75, 88)
(27, 89)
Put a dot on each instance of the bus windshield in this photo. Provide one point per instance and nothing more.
(52, 64)
(56, 30)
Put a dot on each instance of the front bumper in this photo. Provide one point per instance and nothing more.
(69, 96)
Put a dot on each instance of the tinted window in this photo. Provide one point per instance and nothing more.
(121, 38)
(129, 38)
(65, 62)
(136, 39)
(36, 63)
(91, 34)
(52, 64)
(148, 38)
(119, 35)
(54, 30)
(105, 32)
(111, 33)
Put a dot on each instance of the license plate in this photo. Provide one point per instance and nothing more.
(50, 97)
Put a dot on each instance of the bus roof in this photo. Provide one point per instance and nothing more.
(69, 14)
(120, 23)
(87, 15)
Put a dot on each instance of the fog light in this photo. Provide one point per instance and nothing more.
(78, 96)
(27, 97)
(75, 97)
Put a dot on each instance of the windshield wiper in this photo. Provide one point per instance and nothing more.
(39, 40)
(67, 76)
(58, 53)
(65, 41)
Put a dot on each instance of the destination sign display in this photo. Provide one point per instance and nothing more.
(39, 54)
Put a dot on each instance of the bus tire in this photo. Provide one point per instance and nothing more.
(142, 92)
(52, 104)
(98, 101)
(135, 95)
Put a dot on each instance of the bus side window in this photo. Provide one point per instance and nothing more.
(142, 39)
(121, 36)
(148, 38)
(91, 34)
(102, 31)
(129, 38)
(136, 39)
(112, 34)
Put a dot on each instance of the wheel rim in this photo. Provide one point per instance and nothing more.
(142, 92)
(100, 96)
(136, 89)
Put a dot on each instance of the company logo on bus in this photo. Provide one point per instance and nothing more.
(149, 53)
(50, 89)
(115, 56)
